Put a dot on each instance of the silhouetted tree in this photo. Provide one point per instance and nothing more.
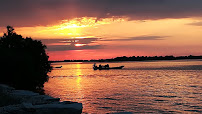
(23, 61)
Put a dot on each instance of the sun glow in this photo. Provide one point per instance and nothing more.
(69, 28)
(74, 27)
(79, 45)
(88, 22)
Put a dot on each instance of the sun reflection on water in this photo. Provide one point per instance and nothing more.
(78, 74)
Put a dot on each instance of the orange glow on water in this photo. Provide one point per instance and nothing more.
(144, 84)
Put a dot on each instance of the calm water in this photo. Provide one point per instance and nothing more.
(140, 87)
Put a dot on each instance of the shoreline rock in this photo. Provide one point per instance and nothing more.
(28, 102)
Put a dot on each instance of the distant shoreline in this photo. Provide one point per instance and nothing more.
(136, 58)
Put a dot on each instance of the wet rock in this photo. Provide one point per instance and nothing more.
(27, 102)
(5, 88)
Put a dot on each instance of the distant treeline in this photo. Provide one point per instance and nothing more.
(137, 58)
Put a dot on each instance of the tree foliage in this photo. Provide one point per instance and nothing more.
(23, 61)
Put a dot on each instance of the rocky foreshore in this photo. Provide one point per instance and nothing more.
(27, 102)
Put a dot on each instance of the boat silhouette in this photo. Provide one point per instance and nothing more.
(58, 67)
(106, 68)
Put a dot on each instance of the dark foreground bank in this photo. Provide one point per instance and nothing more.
(27, 102)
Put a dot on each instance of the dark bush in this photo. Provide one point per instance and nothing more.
(23, 61)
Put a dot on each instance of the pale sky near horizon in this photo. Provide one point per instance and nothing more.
(99, 29)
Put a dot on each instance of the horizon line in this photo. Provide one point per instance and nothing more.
(126, 57)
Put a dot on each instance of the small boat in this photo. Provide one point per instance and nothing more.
(106, 68)
(58, 67)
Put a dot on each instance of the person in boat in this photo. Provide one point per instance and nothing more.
(107, 66)
(94, 65)
(100, 66)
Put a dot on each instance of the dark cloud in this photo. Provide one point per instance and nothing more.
(137, 38)
(148, 38)
(44, 12)
(70, 47)
(89, 43)
(69, 44)
(70, 40)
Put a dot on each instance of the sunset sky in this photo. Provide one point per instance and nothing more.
(99, 29)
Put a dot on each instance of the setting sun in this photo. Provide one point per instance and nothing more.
(79, 45)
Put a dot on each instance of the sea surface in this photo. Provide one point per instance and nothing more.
(140, 87)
